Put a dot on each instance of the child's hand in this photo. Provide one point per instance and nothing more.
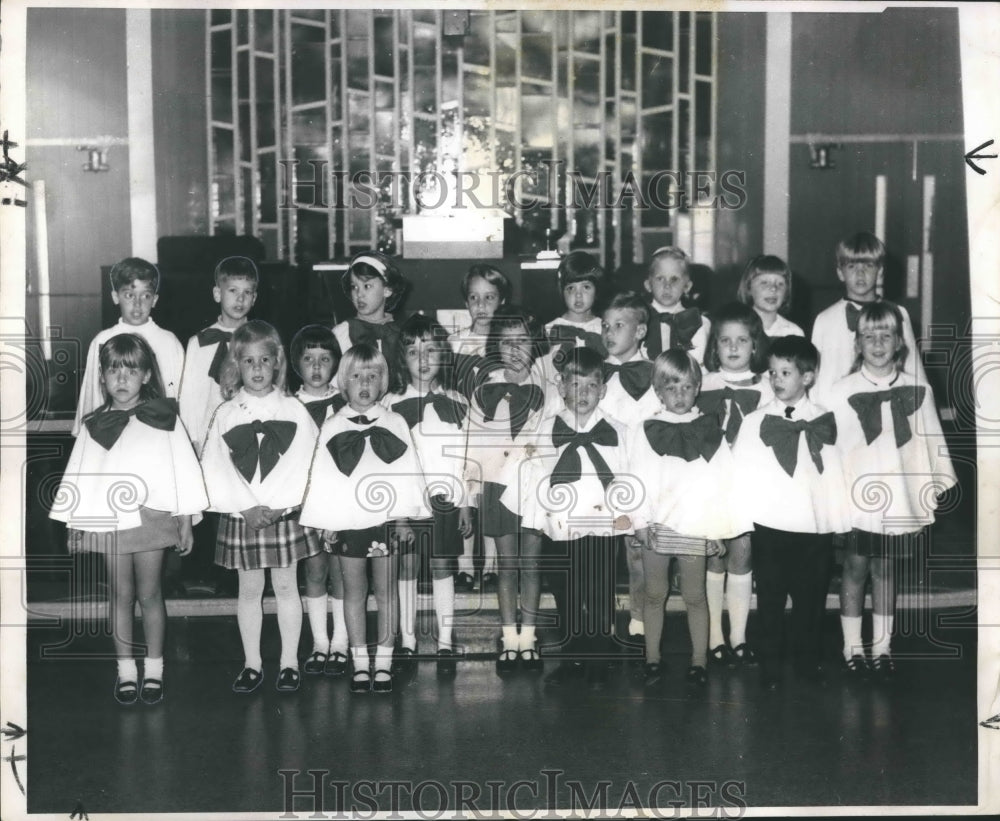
(74, 541)
(271, 515)
(719, 546)
(330, 536)
(642, 537)
(465, 522)
(256, 516)
(404, 533)
(186, 543)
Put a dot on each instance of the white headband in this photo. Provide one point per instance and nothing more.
(375, 263)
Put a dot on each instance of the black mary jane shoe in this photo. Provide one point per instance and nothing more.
(361, 681)
(151, 691)
(884, 668)
(316, 663)
(247, 681)
(382, 683)
(507, 662)
(126, 692)
(697, 677)
(464, 583)
(856, 668)
(336, 664)
(742, 656)
(719, 655)
(288, 680)
(531, 660)
(652, 674)
(446, 666)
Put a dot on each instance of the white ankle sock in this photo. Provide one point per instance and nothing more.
(153, 668)
(527, 638)
(383, 657)
(408, 612)
(127, 670)
(881, 634)
(316, 608)
(850, 626)
(339, 642)
(362, 658)
(510, 639)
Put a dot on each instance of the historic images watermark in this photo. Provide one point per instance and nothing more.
(314, 184)
(313, 794)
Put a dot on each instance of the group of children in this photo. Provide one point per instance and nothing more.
(733, 444)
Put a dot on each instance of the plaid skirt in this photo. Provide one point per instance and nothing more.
(281, 544)
(668, 542)
(158, 530)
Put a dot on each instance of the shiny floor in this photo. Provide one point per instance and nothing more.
(498, 745)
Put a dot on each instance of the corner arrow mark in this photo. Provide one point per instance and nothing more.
(972, 155)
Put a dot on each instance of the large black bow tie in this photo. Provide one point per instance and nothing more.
(569, 469)
(903, 402)
(105, 427)
(683, 326)
(522, 400)
(851, 314)
(317, 410)
(247, 451)
(348, 447)
(448, 410)
(782, 436)
(635, 376)
(211, 336)
(699, 438)
(741, 401)
(361, 332)
(564, 339)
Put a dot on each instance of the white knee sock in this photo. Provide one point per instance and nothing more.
(408, 612)
(444, 608)
(316, 608)
(714, 592)
(850, 626)
(881, 634)
(739, 589)
(339, 641)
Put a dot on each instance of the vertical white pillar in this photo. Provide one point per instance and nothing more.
(142, 167)
(777, 129)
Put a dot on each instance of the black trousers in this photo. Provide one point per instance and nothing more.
(581, 575)
(797, 565)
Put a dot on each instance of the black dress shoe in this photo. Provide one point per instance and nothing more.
(719, 654)
(288, 680)
(652, 674)
(247, 681)
(316, 663)
(126, 692)
(884, 667)
(151, 691)
(382, 682)
(404, 661)
(446, 667)
(336, 664)
(856, 667)
(742, 655)
(361, 681)
(507, 662)
(567, 673)
(464, 583)
(697, 677)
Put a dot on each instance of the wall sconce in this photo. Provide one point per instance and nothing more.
(97, 158)
(821, 155)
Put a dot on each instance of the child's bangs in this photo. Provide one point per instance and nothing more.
(123, 352)
(878, 321)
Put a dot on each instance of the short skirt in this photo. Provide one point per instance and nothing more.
(365, 543)
(282, 544)
(879, 545)
(668, 542)
(158, 530)
(497, 519)
(438, 536)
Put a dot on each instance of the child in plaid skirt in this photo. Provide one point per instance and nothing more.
(256, 462)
